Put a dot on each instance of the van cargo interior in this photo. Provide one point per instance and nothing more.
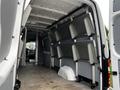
(64, 35)
(58, 46)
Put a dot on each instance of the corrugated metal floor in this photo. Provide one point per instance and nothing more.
(41, 78)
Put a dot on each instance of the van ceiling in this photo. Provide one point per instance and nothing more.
(45, 12)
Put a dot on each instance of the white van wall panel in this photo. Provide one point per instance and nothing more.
(8, 13)
(83, 51)
(68, 62)
(20, 52)
(26, 3)
(114, 41)
(76, 55)
(119, 69)
(116, 34)
(116, 6)
(59, 51)
(26, 15)
(7, 66)
(89, 25)
(8, 84)
(92, 53)
(85, 68)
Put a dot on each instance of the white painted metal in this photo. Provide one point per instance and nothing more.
(44, 17)
(91, 46)
(76, 55)
(88, 20)
(7, 17)
(89, 25)
(52, 10)
(92, 53)
(52, 56)
(20, 52)
(48, 9)
(6, 66)
(67, 73)
(27, 2)
(36, 54)
(39, 22)
(37, 26)
(73, 31)
(13, 51)
(47, 13)
(73, 2)
(61, 5)
(102, 30)
(57, 36)
(59, 51)
(60, 62)
(52, 62)
(24, 49)
(77, 68)
(26, 15)
(115, 57)
(93, 74)
(14, 73)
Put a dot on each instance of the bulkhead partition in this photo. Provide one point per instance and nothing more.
(8, 14)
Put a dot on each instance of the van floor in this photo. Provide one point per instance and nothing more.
(41, 78)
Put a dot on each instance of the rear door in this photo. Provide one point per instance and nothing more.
(115, 42)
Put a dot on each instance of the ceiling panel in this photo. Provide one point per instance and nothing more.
(32, 18)
(46, 12)
(37, 23)
(60, 5)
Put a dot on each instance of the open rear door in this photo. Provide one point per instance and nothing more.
(10, 24)
(115, 42)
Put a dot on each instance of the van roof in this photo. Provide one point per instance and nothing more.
(45, 12)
